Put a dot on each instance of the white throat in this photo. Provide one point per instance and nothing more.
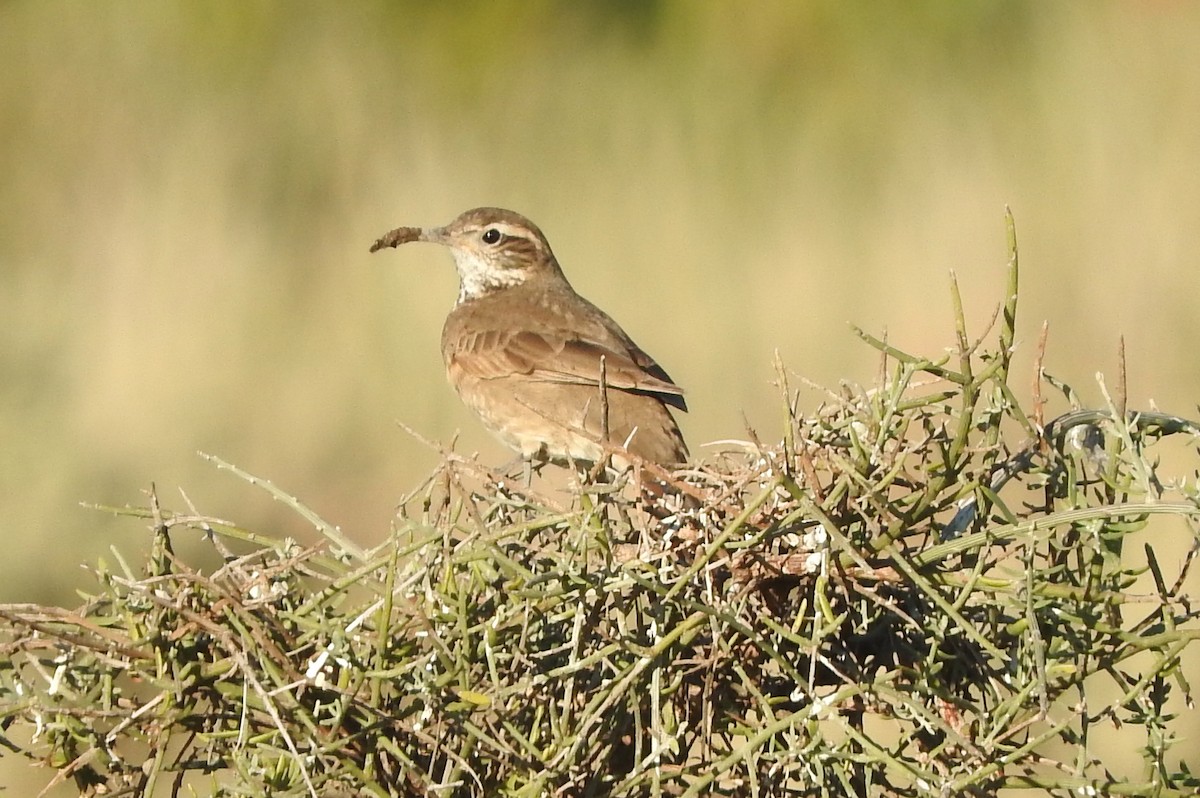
(478, 276)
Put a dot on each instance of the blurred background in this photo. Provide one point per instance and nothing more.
(189, 192)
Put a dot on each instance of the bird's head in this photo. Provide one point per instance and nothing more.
(493, 249)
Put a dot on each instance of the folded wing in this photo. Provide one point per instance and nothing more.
(556, 356)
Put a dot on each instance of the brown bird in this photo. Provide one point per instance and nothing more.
(524, 351)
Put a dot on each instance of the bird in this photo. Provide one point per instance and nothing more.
(527, 353)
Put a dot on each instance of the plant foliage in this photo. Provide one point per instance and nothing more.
(923, 588)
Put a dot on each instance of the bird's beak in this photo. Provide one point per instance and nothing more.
(403, 235)
(434, 235)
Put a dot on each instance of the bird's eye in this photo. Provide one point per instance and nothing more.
(491, 236)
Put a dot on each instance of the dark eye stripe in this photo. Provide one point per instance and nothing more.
(518, 245)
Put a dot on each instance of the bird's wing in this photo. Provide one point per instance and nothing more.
(561, 357)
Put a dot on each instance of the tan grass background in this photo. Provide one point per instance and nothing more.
(189, 191)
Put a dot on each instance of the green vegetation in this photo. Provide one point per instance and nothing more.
(915, 592)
